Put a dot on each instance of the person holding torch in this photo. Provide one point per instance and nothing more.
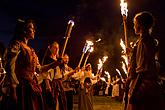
(144, 93)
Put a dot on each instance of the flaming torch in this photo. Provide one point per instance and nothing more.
(105, 58)
(125, 57)
(109, 77)
(107, 73)
(100, 65)
(124, 12)
(87, 46)
(2, 72)
(89, 51)
(103, 79)
(119, 73)
(67, 34)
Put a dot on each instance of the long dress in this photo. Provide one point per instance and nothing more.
(21, 67)
(115, 88)
(86, 93)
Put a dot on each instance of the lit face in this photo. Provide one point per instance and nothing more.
(66, 59)
(30, 31)
(136, 27)
(54, 49)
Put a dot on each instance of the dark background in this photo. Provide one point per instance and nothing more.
(93, 19)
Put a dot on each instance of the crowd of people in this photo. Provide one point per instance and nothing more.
(33, 82)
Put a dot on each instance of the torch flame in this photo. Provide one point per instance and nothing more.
(98, 40)
(100, 64)
(123, 45)
(71, 22)
(93, 74)
(103, 79)
(124, 68)
(105, 58)
(119, 72)
(91, 49)
(125, 59)
(124, 9)
(90, 43)
(107, 73)
(124, 52)
(87, 46)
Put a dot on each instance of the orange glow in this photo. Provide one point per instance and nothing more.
(103, 79)
(107, 73)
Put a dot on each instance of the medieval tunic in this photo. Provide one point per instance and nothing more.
(55, 79)
(68, 85)
(58, 91)
(147, 93)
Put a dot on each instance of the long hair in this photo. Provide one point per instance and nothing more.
(145, 19)
(47, 53)
(20, 27)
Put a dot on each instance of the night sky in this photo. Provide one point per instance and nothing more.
(93, 19)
